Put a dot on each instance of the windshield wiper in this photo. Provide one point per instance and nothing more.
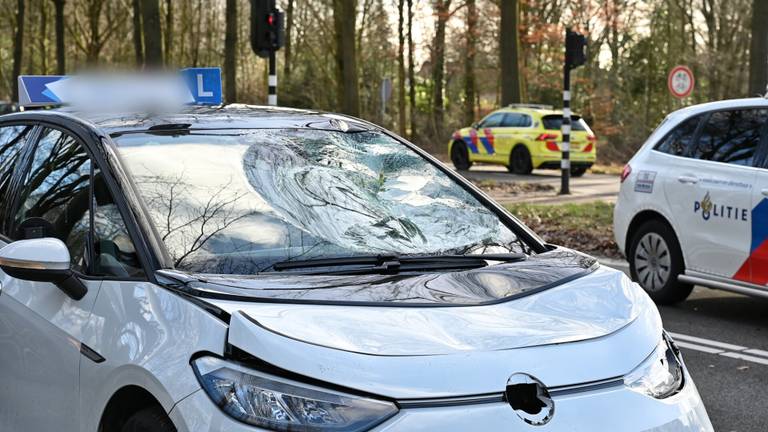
(392, 264)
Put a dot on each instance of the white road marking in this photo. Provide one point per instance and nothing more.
(720, 348)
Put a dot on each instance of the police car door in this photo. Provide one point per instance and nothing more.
(758, 248)
(40, 326)
(711, 194)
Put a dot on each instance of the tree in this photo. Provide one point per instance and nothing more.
(61, 56)
(400, 68)
(138, 43)
(758, 48)
(18, 48)
(469, 63)
(411, 73)
(441, 8)
(153, 48)
(168, 33)
(288, 51)
(509, 45)
(230, 52)
(344, 17)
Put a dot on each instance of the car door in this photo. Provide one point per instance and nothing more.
(515, 128)
(710, 193)
(40, 326)
(483, 141)
(758, 247)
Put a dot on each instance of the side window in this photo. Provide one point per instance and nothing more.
(731, 136)
(494, 120)
(12, 140)
(680, 141)
(511, 120)
(56, 202)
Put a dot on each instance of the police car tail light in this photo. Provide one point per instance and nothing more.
(280, 404)
(626, 172)
(588, 148)
(592, 138)
(661, 374)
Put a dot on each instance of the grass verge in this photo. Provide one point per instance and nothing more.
(586, 227)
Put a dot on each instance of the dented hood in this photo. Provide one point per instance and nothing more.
(594, 327)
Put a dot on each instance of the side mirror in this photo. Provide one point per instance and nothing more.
(42, 260)
(475, 125)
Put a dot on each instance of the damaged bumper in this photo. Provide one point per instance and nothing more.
(609, 409)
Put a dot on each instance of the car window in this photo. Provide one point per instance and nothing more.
(680, 141)
(12, 140)
(494, 120)
(516, 120)
(238, 201)
(56, 202)
(555, 122)
(731, 136)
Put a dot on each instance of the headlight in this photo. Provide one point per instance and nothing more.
(661, 374)
(280, 404)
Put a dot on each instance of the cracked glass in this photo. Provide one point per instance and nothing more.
(238, 201)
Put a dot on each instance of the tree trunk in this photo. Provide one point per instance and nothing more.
(43, 38)
(18, 48)
(153, 39)
(288, 41)
(758, 49)
(401, 68)
(168, 40)
(138, 44)
(509, 45)
(61, 62)
(344, 17)
(230, 52)
(438, 65)
(469, 64)
(411, 73)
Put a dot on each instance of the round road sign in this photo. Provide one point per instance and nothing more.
(680, 81)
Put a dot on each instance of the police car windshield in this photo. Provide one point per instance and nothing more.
(238, 201)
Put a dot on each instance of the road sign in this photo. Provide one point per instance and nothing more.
(204, 83)
(680, 81)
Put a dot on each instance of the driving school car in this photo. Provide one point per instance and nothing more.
(693, 205)
(523, 137)
(240, 268)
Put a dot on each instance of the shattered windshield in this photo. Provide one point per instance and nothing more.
(238, 201)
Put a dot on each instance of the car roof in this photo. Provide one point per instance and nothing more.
(533, 110)
(720, 105)
(232, 116)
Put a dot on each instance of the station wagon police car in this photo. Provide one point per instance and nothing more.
(241, 268)
(693, 206)
(523, 137)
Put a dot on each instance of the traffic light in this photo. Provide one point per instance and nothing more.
(267, 27)
(575, 49)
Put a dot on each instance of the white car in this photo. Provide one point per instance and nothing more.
(693, 206)
(239, 268)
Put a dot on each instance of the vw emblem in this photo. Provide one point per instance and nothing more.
(530, 399)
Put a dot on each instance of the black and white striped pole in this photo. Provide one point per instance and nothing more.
(575, 56)
(272, 96)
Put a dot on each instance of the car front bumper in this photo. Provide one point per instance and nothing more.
(615, 409)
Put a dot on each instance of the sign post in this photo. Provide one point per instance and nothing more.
(681, 81)
(575, 56)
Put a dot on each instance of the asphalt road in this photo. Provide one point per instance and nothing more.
(590, 187)
(724, 340)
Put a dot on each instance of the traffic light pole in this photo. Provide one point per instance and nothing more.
(272, 97)
(565, 162)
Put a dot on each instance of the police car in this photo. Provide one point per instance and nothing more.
(523, 137)
(693, 206)
(241, 268)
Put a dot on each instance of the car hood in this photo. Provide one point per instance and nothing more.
(597, 326)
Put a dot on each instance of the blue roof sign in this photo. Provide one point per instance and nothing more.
(196, 86)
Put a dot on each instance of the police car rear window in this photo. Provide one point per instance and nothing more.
(555, 122)
(238, 201)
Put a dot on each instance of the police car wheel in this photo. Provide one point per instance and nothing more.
(520, 161)
(460, 156)
(578, 171)
(152, 419)
(655, 262)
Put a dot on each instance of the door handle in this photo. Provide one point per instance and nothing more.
(688, 179)
(764, 192)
